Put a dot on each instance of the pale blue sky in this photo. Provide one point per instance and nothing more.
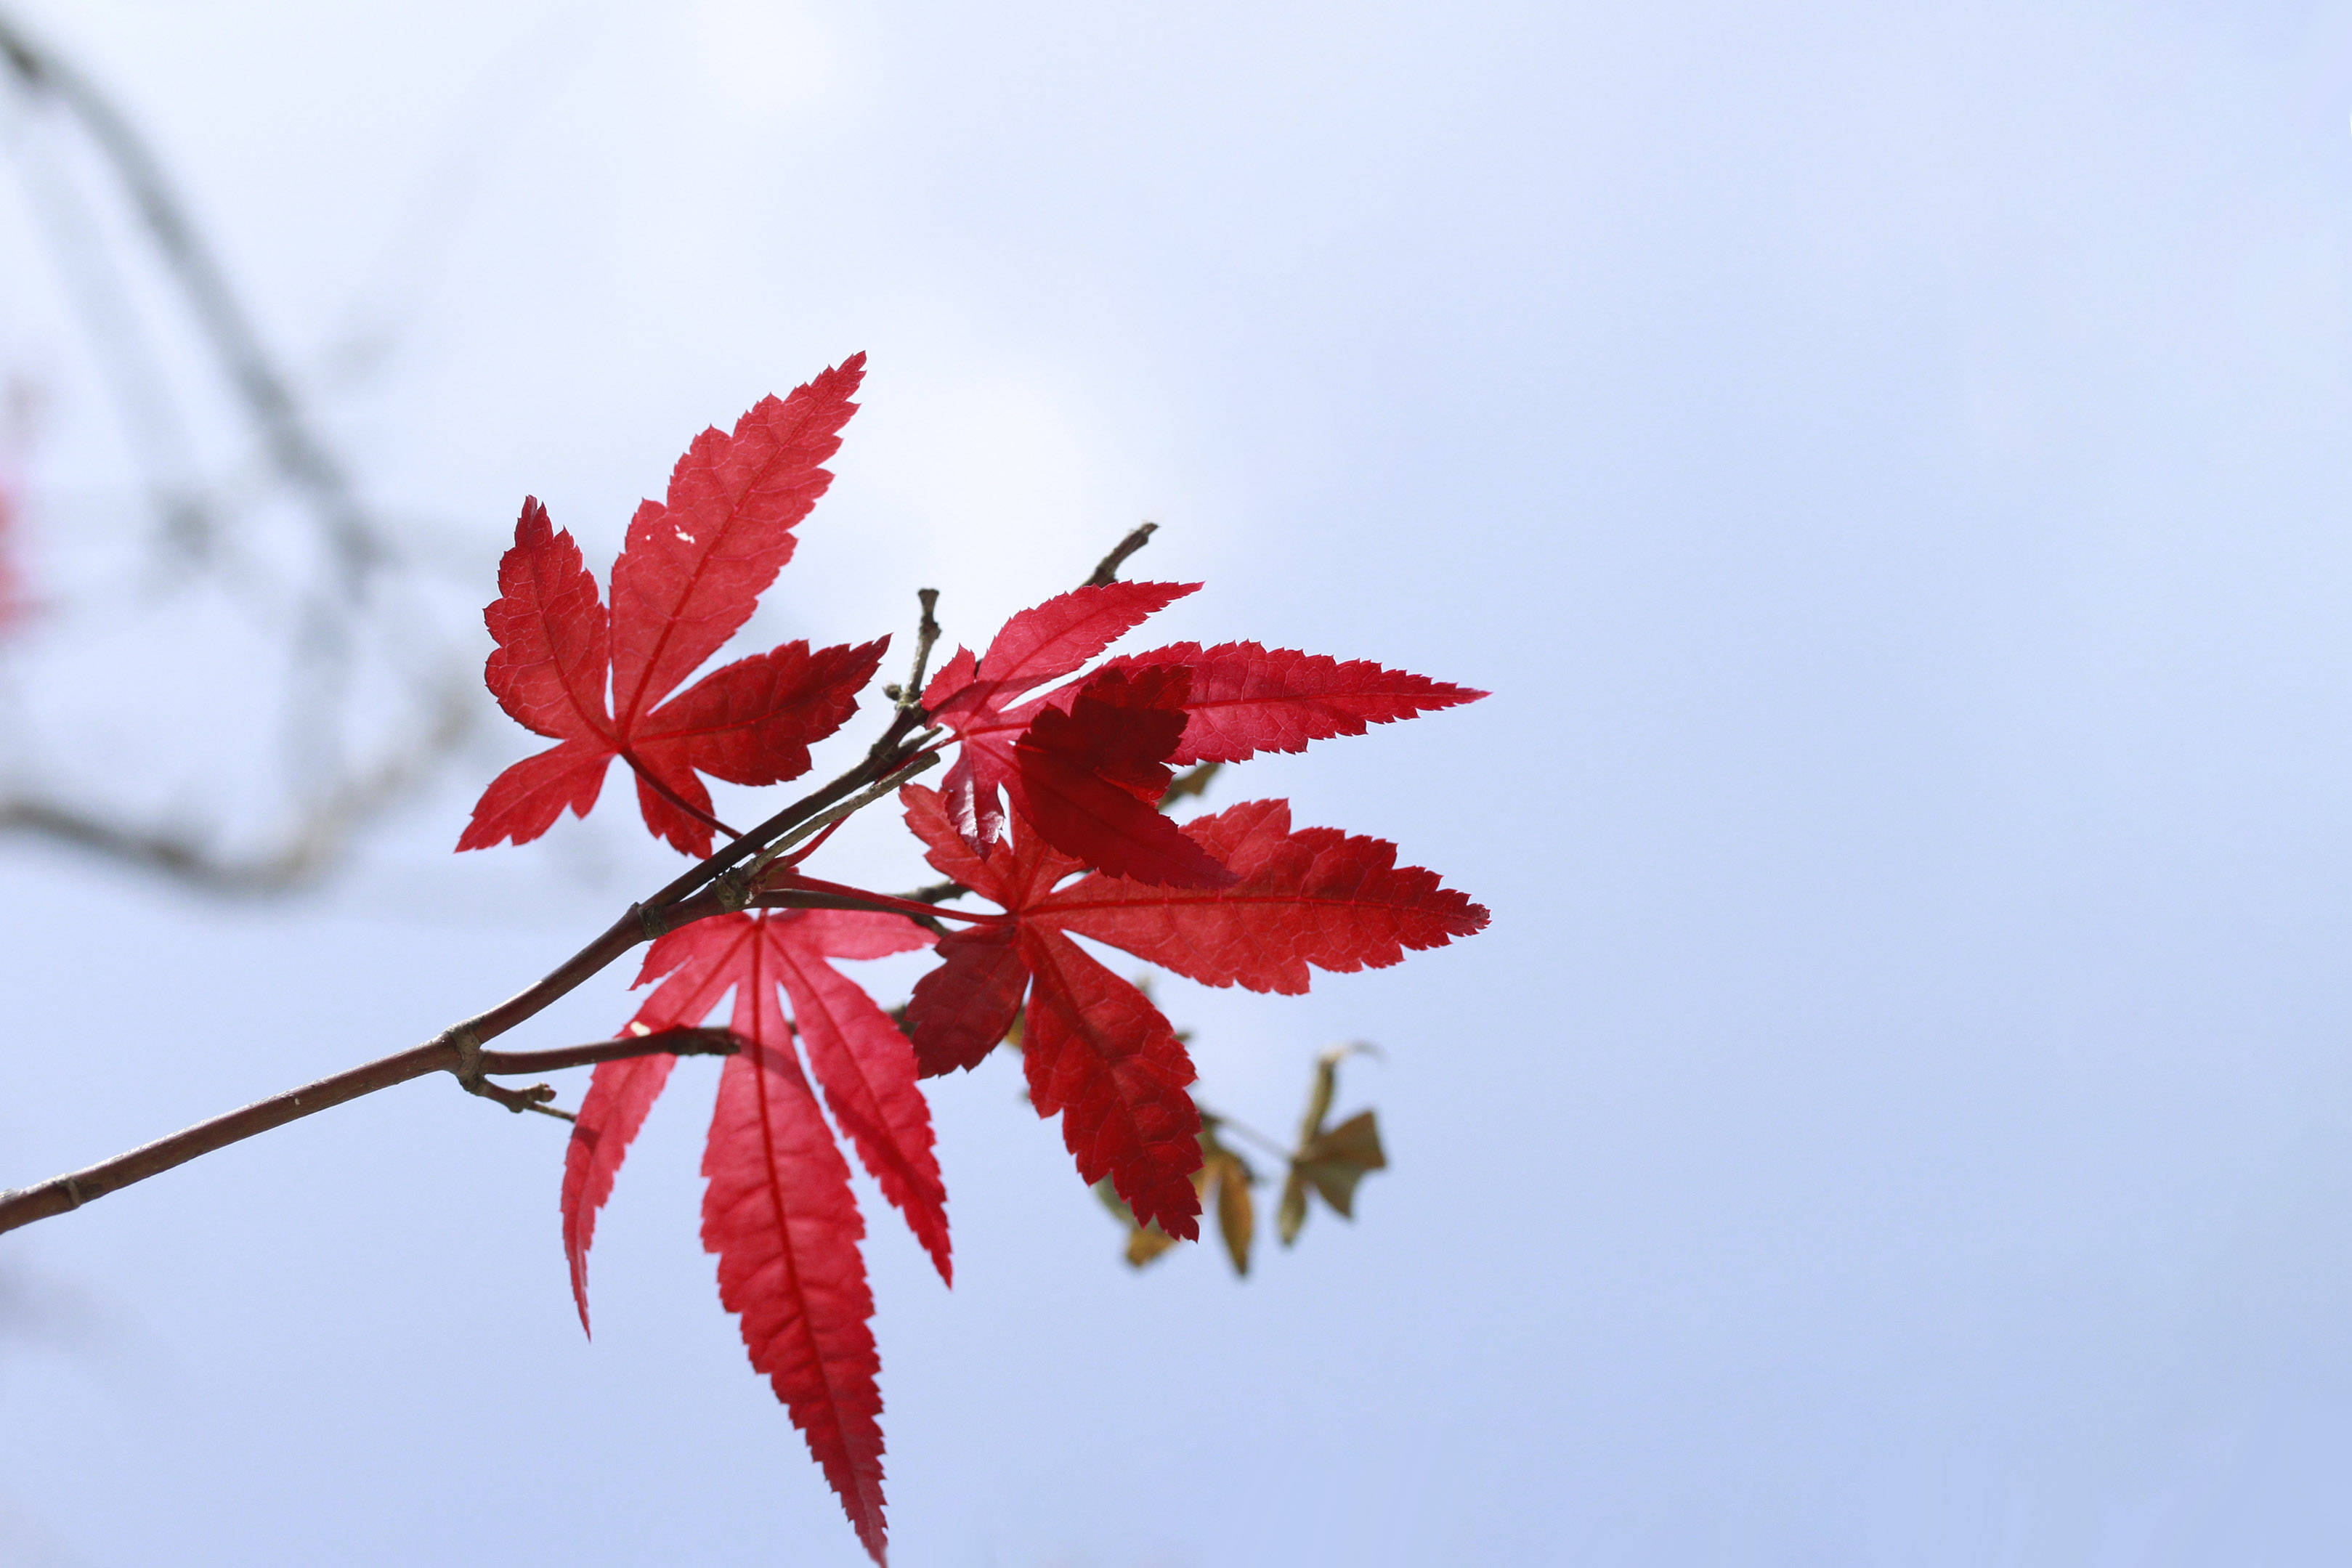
(1890, 467)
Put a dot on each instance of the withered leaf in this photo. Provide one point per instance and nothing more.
(1231, 1177)
(1330, 1160)
(1236, 1211)
(1144, 1242)
(1337, 1160)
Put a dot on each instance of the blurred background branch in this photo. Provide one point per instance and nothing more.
(371, 697)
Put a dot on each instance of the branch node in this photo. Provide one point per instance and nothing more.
(468, 1046)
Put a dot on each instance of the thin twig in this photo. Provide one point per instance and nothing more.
(647, 1042)
(1277, 1150)
(887, 754)
(657, 1042)
(808, 893)
(927, 633)
(922, 762)
(534, 1098)
(1105, 571)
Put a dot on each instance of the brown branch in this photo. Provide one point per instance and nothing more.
(886, 756)
(458, 1050)
(887, 784)
(1106, 570)
(927, 633)
(648, 1042)
(658, 1042)
(61, 1194)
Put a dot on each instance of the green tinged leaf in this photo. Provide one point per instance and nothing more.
(1236, 1211)
(1337, 1160)
(1231, 1177)
(1330, 1161)
(1193, 781)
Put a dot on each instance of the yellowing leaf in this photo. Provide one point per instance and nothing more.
(1144, 1242)
(1231, 1178)
(1236, 1212)
(1147, 1243)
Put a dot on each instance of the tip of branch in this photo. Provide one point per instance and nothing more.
(1105, 571)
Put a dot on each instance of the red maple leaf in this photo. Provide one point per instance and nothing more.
(1301, 896)
(1236, 699)
(780, 1215)
(779, 1211)
(1096, 774)
(690, 574)
(971, 696)
(1093, 1047)
(1245, 698)
(864, 1063)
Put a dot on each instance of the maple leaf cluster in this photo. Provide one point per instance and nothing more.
(1051, 811)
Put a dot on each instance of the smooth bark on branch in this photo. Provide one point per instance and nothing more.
(61, 1194)
(658, 1042)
